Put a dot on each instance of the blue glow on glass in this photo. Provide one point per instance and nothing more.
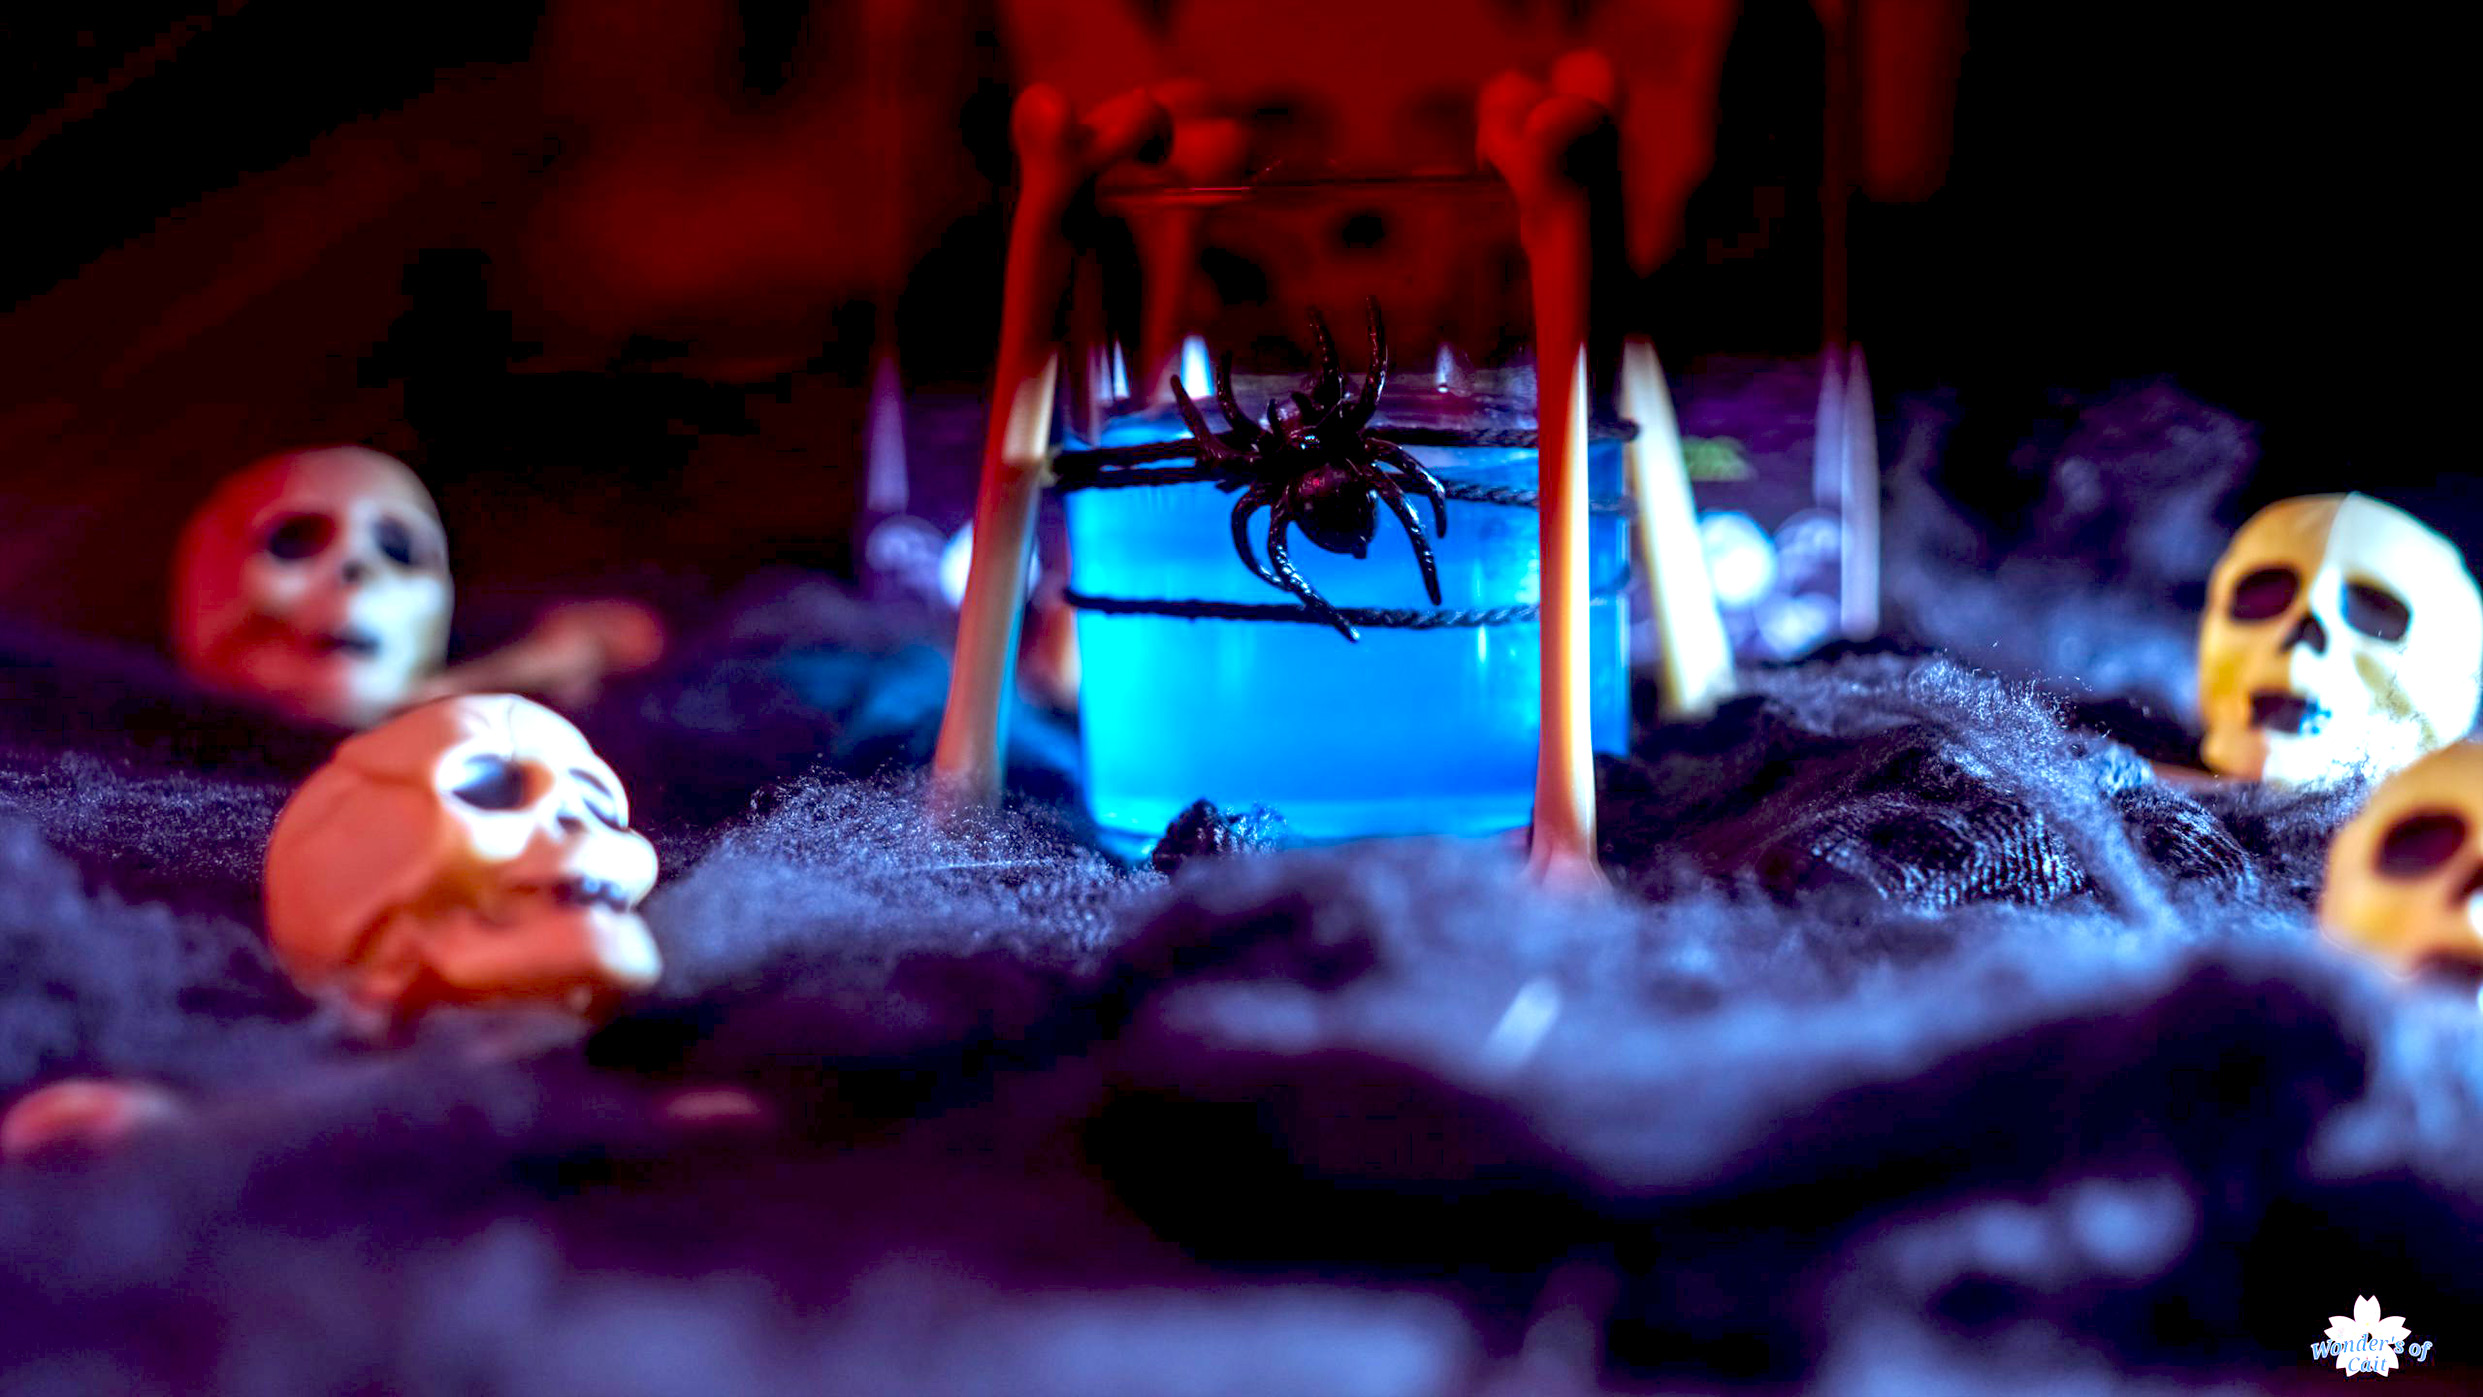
(1407, 732)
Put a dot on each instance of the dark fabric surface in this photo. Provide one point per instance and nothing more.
(1928, 1044)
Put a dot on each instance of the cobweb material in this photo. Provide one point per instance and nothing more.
(1929, 1045)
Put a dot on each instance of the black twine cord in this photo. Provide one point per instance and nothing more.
(1130, 467)
(1384, 618)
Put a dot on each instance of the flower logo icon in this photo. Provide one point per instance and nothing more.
(2365, 1342)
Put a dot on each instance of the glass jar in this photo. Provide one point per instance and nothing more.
(1199, 679)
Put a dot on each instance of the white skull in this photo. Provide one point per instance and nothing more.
(318, 581)
(2405, 877)
(2341, 635)
(473, 850)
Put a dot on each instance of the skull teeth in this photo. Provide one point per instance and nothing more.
(2449, 968)
(351, 641)
(2277, 711)
(584, 892)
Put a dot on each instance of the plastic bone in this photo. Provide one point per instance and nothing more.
(97, 1115)
(2341, 636)
(471, 851)
(1845, 459)
(2405, 876)
(1698, 659)
(1533, 135)
(1206, 149)
(574, 648)
(1059, 156)
(316, 581)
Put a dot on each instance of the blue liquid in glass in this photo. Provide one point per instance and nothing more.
(1406, 732)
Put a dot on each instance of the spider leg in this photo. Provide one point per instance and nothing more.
(1242, 425)
(1257, 496)
(1210, 446)
(1417, 479)
(1395, 499)
(1375, 377)
(1330, 387)
(1292, 581)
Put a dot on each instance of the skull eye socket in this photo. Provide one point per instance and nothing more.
(2376, 612)
(491, 783)
(299, 536)
(2264, 594)
(396, 542)
(599, 800)
(2420, 843)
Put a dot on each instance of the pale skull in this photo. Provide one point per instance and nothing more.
(473, 850)
(2405, 876)
(316, 581)
(2341, 635)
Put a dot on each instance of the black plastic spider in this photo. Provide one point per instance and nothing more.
(1316, 466)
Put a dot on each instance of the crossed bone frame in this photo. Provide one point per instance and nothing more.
(1530, 132)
